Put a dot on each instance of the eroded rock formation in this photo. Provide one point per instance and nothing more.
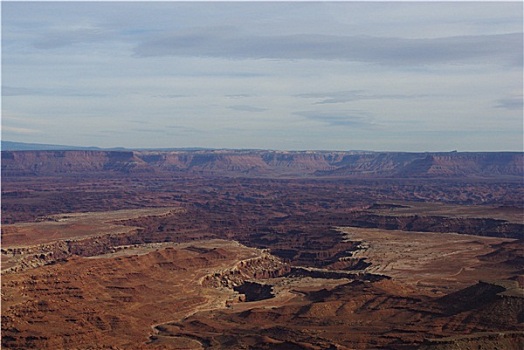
(269, 163)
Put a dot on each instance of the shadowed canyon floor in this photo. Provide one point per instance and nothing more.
(110, 260)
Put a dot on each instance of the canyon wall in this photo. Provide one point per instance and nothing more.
(269, 163)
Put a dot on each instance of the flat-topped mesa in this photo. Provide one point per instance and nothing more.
(20, 163)
(269, 163)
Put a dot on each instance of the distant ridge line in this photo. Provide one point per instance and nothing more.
(266, 163)
(25, 146)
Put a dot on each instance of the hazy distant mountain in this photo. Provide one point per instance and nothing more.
(22, 146)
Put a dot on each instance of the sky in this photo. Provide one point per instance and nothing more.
(378, 76)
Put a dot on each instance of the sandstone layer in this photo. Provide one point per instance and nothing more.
(269, 163)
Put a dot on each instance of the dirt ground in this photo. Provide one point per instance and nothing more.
(159, 278)
(115, 299)
(435, 263)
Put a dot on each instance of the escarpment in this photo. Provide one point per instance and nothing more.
(471, 226)
(268, 163)
(263, 267)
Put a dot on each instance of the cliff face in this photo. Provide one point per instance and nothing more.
(421, 223)
(268, 163)
(464, 164)
(19, 163)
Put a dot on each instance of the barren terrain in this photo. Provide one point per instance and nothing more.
(262, 250)
(116, 299)
(434, 263)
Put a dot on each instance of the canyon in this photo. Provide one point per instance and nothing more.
(255, 249)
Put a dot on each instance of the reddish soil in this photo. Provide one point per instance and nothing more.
(113, 301)
(100, 251)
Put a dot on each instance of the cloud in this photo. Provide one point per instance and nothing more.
(236, 96)
(342, 118)
(17, 91)
(65, 91)
(334, 97)
(493, 49)
(512, 103)
(171, 96)
(149, 130)
(64, 37)
(246, 108)
(17, 130)
(353, 95)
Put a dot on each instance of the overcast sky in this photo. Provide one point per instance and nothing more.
(407, 76)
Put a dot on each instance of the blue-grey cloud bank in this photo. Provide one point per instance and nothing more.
(398, 76)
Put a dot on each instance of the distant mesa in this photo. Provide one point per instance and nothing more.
(31, 159)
